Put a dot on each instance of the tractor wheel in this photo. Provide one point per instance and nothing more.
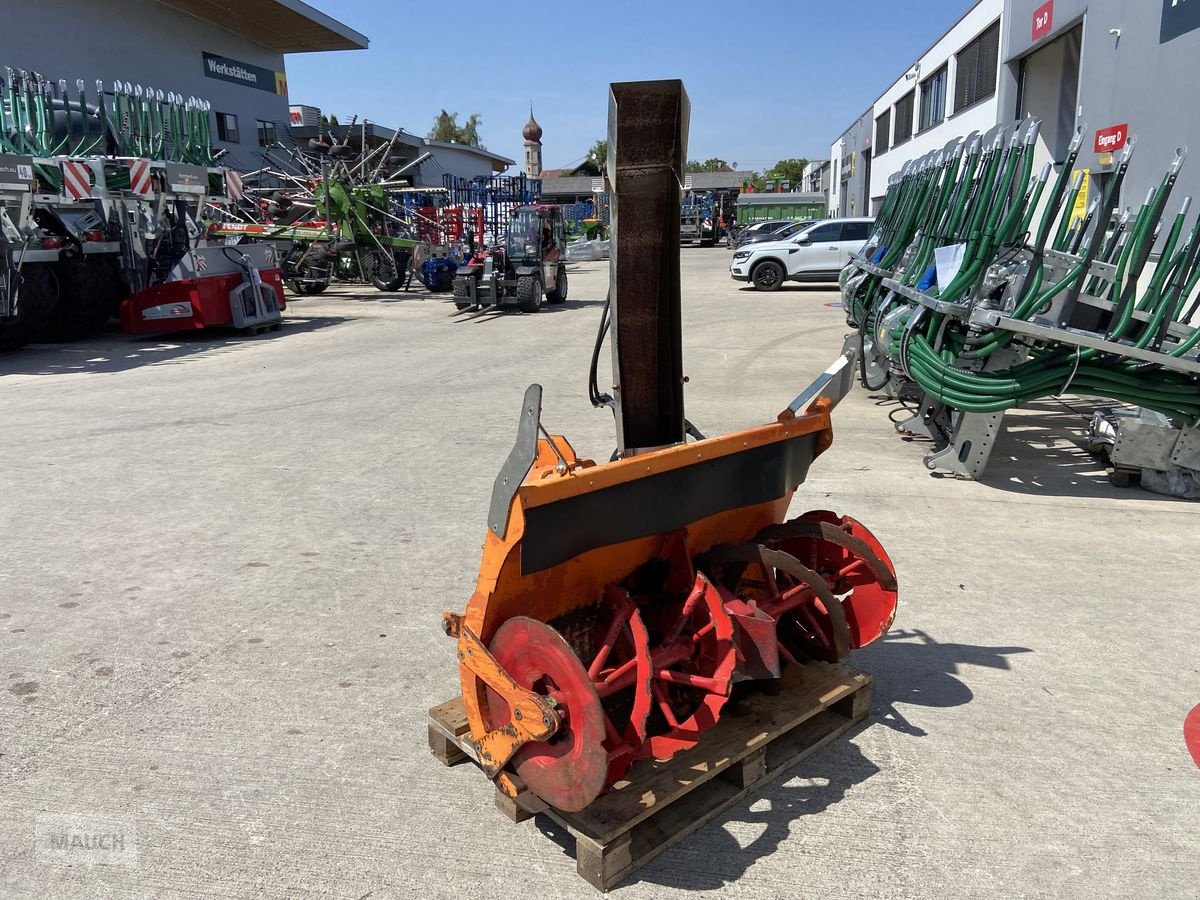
(559, 294)
(36, 303)
(529, 293)
(90, 293)
(382, 270)
(309, 287)
(462, 292)
(767, 275)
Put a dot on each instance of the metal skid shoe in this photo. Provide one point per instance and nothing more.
(253, 303)
(932, 420)
(971, 440)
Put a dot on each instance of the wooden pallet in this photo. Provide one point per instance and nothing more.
(660, 803)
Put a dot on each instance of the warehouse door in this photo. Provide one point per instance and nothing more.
(1049, 89)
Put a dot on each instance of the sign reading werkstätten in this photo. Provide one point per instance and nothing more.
(224, 69)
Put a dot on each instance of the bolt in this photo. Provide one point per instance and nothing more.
(546, 721)
(460, 655)
(517, 714)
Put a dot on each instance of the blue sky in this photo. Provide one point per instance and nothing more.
(767, 80)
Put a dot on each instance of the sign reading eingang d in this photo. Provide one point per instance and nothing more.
(224, 69)
(1179, 17)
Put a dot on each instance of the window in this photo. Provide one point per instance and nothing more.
(904, 118)
(825, 234)
(227, 128)
(856, 231)
(933, 100)
(266, 133)
(977, 64)
(883, 133)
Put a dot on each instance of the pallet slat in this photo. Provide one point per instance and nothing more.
(661, 802)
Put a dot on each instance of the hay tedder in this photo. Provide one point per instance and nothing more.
(621, 605)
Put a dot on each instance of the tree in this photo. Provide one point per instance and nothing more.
(596, 160)
(709, 165)
(791, 171)
(329, 120)
(446, 129)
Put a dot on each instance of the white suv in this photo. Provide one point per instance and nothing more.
(817, 253)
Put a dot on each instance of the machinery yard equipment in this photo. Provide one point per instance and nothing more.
(704, 215)
(336, 219)
(99, 209)
(528, 268)
(962, 305)
(620, 605)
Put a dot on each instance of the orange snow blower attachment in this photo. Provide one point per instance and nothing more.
(619, 604)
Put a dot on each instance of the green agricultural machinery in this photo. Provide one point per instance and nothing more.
(100, 199)
(983, 289)
(333, 220)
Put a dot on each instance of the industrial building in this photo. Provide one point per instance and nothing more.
(232, 55)
(1120, 68)
(949, 90)
(1112, 66)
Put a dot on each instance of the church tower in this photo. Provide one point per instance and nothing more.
(532, 133)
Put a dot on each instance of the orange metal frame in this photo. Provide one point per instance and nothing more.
(503, 591)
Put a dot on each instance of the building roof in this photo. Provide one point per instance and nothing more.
(766, 198)
(716, 181)
(467, 148)
(285, 26)
(570, 186)
(353, 134)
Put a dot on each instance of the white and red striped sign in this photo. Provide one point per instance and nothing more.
(233, 184)
(201, 262)
(77, 180)
(139, 177)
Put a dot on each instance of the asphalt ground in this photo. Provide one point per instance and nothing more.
(224, 562)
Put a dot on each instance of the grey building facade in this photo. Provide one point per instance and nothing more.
(231, 54)
(850, 169)
(1124, 68)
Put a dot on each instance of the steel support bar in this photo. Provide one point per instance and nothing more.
(647, 149)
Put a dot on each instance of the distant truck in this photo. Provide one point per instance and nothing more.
(704, 217)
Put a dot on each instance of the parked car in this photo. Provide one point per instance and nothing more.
(765, 227)
(777, 234)
(815, 252)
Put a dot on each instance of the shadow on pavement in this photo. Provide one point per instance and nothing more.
(909, 667)
(794, 287)
(118, 352)
(1040, 451)
(489, 313)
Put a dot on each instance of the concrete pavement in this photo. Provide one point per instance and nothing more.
(224, 562)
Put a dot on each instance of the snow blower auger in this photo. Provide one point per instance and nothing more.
(619, 604)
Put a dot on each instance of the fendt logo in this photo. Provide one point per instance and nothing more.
(1043, 20)
(1110, 139)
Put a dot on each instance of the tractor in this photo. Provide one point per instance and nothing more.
(528, 269)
